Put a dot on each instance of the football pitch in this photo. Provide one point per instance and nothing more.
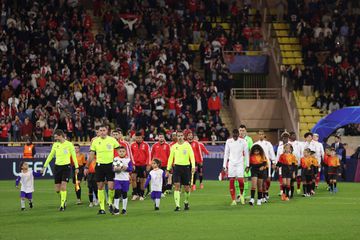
(323, 216)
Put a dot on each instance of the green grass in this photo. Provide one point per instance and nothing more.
(323, 216)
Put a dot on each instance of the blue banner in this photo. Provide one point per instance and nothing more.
(248, 64)
(327, 125)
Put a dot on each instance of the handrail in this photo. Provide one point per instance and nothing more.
(256, 93)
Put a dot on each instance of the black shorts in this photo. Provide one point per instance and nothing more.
(286, 171)
(306, 172)
(140, 171)
(332, 170)
(256, 172)
(182, 174)
(104, 172)
(62, 173)
(332, 176)
(80, 175)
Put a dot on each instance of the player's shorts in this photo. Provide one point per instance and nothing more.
(256, 172)
(62, 173)
(80, 175)
(306, 172)
(122, 185)
(156, 195)
(332, 176)
(26, 195)
(332, 170)
(140, 171)
(286, 171)
(236, 170)
(104, 172)
(182, 174)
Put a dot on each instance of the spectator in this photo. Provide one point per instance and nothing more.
(214, 104)
(26, 130)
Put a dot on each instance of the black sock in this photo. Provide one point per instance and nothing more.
(313, 186)
(134, 192)
(304, 188)
(331, 186)
(259, 195)
(168, 187)
(308, 188)
(200, 179)
(284, 188)
(117, 194)
(252, 193)
(91, 197)
(78, 193)
(334, 184)
(195, 178)
(292, 191)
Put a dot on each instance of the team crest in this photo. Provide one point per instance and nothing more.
(66, 151)
(108, 146)
(184, 152)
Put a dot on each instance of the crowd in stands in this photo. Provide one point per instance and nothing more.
(329, 32)
(138, 75)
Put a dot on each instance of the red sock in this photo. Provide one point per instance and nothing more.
(281, 182)
(241, 185)
(232, 188)
(268, 183)
(298, 182)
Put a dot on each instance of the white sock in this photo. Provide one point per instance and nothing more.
(157, 202)
(124, 202)
(116, 202)
(22, 201)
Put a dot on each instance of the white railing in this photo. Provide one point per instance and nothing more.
(256, 93)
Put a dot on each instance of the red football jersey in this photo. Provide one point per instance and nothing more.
(161, 152)
(140, 153)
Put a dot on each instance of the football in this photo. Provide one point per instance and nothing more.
(117, 162)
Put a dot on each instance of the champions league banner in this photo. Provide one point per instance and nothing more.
(10, 158)
(10, 168)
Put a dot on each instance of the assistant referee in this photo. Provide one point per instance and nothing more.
(180, 154)
(62, 150)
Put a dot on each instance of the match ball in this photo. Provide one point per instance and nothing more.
(117, 162)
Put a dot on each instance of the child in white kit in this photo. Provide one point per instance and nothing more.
(156, 178)
(26, 179)
(123, 166)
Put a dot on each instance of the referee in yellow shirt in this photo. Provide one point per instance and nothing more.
(103, 146)
(180, 154)
(61, 150)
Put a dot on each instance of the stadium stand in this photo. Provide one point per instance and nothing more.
(60, 70)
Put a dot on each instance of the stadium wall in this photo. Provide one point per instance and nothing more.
(258, 113)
